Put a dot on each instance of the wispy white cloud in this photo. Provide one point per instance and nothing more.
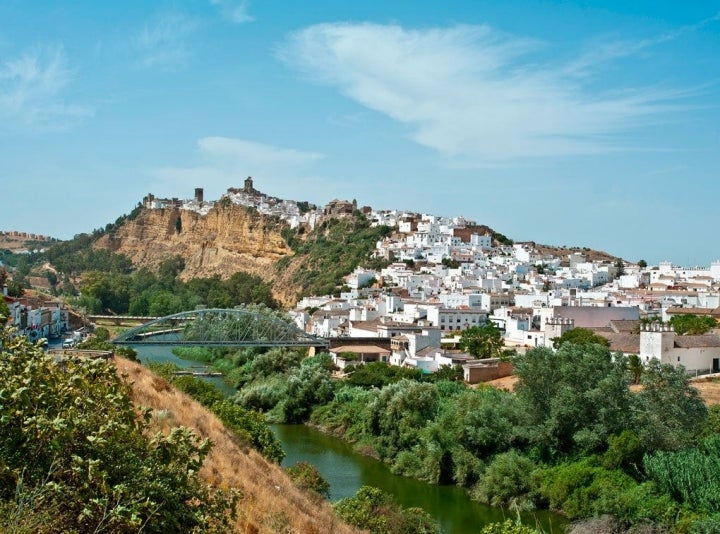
(32, 88)
(163, 41)
(225, 162)
(477, 95)
(236, 11)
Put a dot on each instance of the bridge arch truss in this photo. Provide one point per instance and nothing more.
(220, 327)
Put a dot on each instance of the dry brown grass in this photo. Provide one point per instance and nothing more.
(270, 502)
(709, 389)
(506, 382)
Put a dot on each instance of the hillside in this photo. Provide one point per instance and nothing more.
(229, 238)
(232, 238)
(270, 502)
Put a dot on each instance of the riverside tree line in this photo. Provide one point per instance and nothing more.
(574, 437)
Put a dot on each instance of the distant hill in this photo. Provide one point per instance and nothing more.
(16, 241)
(230, 238)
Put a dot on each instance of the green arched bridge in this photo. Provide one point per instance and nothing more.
(219, 327)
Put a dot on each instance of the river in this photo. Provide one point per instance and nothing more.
(347, 470)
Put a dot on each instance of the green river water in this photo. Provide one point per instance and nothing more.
(347, 470)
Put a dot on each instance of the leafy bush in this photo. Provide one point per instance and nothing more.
(373, 510)
(307, 477)
(71, 443)
(252, 424)
(507, 479)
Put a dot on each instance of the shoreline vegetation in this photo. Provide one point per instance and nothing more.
(575, 438)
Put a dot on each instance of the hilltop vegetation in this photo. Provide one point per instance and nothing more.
(314, 262)
(329, 253)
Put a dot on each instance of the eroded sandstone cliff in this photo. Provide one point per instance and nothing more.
(228, 239)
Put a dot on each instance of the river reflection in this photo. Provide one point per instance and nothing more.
(347, 470)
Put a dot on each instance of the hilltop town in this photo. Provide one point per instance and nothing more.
(445, 275)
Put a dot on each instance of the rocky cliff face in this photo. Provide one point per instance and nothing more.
(228, 239)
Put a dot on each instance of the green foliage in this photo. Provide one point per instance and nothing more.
(77, 256)
(101, 333)
(251, 424)
(690, 477)
(580, 336)
(201, 390)
(344, 414)
(375, 511)
(574, 398)
(332, 251)
(625, 451)
(306, 476)
(506, 480)
(4, 312)
(145, 293)
(379, 374)
(691, 324)
(196, 354)
(583, 489)
(508, 527)
(636, 367)
(503, 240)
(71, 442)
(669, 411)
(306, 387)
(397, 415)
(482, 341)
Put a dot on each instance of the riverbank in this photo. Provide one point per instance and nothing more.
(269, 501)
(347, 470)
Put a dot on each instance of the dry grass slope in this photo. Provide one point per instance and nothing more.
(270, 502)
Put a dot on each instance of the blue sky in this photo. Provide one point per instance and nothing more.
(568, 123)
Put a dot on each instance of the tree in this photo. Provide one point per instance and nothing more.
(670, 411)
(620, 266)
(636, 367)
(482, 341)
(692, 324)
(4, 312)
(574, 398)
(642, 264)
(579, 336)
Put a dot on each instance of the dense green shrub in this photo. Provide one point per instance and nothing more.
(307, 477)
(507, 479)
(75, 456)
(240, 420)
(373, 510)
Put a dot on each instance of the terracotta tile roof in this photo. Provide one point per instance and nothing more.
(677, 310)
(622, 342)
(627, 326)
(696, 342)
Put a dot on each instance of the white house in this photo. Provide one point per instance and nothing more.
(699, 354)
